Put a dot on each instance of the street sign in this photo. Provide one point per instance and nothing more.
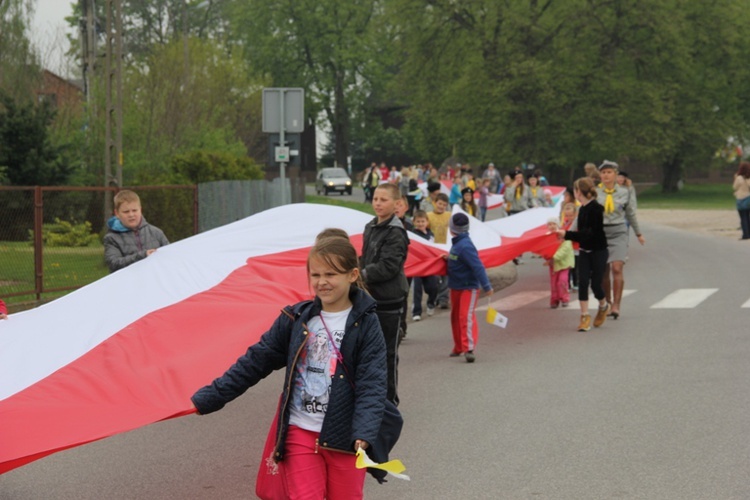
(293, 106)
(282, 154)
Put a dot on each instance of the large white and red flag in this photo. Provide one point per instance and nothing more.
(130, 349)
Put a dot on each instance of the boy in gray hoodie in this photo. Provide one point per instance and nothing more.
(130, 238)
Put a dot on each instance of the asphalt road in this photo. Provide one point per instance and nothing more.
(652, 406)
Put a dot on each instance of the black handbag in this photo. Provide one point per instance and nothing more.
(390, 431)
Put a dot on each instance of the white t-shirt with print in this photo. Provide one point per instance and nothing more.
(315, 367)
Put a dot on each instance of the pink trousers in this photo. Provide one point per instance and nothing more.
(316, 473)
(558, 283)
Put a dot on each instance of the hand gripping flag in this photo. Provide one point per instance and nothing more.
(392, 467)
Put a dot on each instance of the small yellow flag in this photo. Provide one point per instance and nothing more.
(392, 467)
(495, 318)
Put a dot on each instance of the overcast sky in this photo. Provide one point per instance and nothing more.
(48, 33)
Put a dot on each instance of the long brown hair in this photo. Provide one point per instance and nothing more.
(744, 170)
(339, 254)
(586, 187)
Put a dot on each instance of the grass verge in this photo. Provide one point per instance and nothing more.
(692, 196)
(326, 200)
(62, 267)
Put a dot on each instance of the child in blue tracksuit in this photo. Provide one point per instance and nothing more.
(466, 274)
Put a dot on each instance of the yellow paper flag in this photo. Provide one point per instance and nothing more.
(495, 318)
(392, 467)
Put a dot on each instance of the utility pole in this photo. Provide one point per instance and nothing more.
(113, 157)
(88, 55)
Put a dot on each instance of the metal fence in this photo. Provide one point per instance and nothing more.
(51, 237)
(222, 202)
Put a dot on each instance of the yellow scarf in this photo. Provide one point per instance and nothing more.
(518, 192)
(609, 202)
(533, 192)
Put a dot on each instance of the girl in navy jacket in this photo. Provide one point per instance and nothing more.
(329, 407)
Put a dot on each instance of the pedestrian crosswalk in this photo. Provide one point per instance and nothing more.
(683, 298)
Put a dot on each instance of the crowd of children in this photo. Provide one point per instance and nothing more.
(581, 252)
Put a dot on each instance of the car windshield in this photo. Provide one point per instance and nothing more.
(334, 172)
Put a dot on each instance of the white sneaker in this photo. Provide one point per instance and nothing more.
(430, 311)
(416, 317)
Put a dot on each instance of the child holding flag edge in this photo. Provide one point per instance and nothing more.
(324, 416)
(466, 274)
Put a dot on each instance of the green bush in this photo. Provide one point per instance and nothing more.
(206, 166)
(65, 234)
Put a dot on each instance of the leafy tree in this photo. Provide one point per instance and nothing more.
(209, 101)
(19, 65)
(335, 50)
(27, 154)
(147, 24)
(559, 83)
(480, 77)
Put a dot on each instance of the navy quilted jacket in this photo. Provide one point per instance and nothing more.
(353, 412)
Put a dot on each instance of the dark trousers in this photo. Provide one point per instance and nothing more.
(745, 223)
(404, 311)
(573, 275)
(444, 294)
(390, 322)
(591, 267)
(430, 285)
(413, 205)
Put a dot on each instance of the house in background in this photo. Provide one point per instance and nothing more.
(65, 96)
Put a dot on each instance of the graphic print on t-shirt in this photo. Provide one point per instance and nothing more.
(315, 367)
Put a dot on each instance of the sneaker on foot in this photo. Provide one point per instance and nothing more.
(444, 305)
(554, 305)
(454, 354)
(585, 324)
(416, 317)
(601, 316)
(470, 357)
(565, 304)
(430, 311)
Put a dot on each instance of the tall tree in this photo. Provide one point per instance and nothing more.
(27, 154)
(334, 49)
(19, 63)
(561, 82)
(209, 101)
(148, 24)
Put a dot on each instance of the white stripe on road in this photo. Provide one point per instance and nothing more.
(515, 301)
(575, 304)
(685, 298)
(746, 305)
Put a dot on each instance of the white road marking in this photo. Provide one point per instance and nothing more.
(746, 305)
(574, 304)
(685, 298)
(515, 301)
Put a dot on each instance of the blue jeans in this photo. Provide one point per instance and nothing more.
(482, 213)
(430, 285)
(745, 223)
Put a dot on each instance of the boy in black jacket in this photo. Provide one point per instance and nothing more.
(383, 256)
